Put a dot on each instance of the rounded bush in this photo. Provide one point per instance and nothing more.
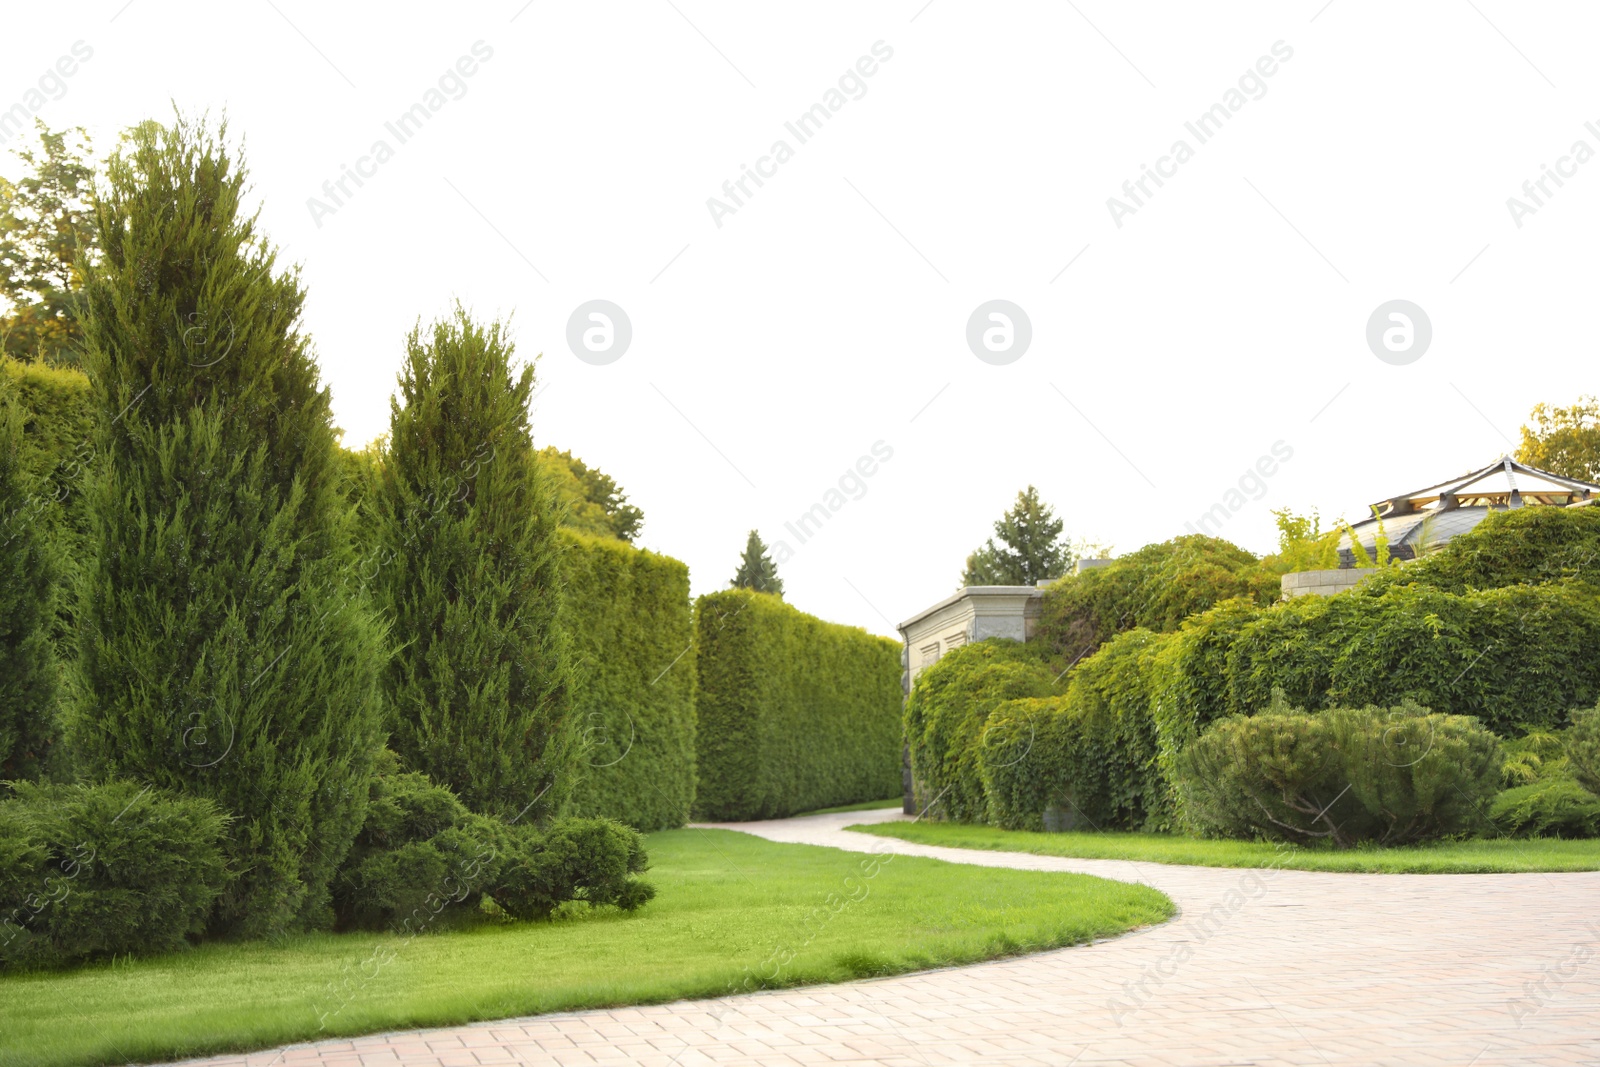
(102, 870)
(1554, 807)
(1391, 776)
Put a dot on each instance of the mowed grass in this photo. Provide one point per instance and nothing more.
(730, 907)
(865, 805)
(1500, 856)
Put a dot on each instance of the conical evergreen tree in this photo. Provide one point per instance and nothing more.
(1031, 548)
(470, 578)
(756, 569)
(28, 679)
(222, 653)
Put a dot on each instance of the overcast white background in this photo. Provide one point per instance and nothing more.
(830, 311)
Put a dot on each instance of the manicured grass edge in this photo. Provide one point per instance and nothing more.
(1494, 855)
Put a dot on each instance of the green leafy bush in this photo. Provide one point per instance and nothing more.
(98, 870)
(632, 630)
(794, 713)
(945, 716)
(1346, 775)
(1086, 759)
(1156, 588)
(1515, 657)
(1553, 807)
(1027, 753)
(421, 855)
(221, 652)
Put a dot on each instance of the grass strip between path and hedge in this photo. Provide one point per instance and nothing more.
(1497, 856)
(729, 906)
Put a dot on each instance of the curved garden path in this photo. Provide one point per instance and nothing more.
(1260, 967)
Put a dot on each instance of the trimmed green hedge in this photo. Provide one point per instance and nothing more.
(1088, 757)
(1513, 657)
(945, 717)
(794, 713)
(627, 611)
(58, 426)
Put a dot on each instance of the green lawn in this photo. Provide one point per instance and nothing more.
(730, 906)
(1461, 857)
(865, 805)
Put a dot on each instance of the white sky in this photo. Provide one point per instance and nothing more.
(830, 311)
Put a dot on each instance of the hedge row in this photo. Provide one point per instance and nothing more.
(628, 614)
(1513, 657)
(56, 436)
(794, 713)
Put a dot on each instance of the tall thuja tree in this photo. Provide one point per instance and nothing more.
(222, 653)
(28, 679)
(471, 578)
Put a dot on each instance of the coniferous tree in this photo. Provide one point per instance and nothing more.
(1030, 547)
(223, 653)
(756, 569)
(469, 574)
(27, 575)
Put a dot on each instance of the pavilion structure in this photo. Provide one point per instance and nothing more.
(1426, 518)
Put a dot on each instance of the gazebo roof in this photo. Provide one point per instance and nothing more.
(1505, 483)
(1437, 513)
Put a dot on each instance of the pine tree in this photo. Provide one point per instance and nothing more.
(1030, 547)
(28, 680)
(756, 569)
(471, 580)
(223, 653)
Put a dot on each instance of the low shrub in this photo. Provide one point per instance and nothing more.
(1582, 743)
(102, 870)
(1553, 807)
(1533, 757)
(945, 716)
(421, 854)
(1346, 775)
(794, 713)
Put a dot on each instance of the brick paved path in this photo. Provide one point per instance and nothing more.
(1261, 967)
